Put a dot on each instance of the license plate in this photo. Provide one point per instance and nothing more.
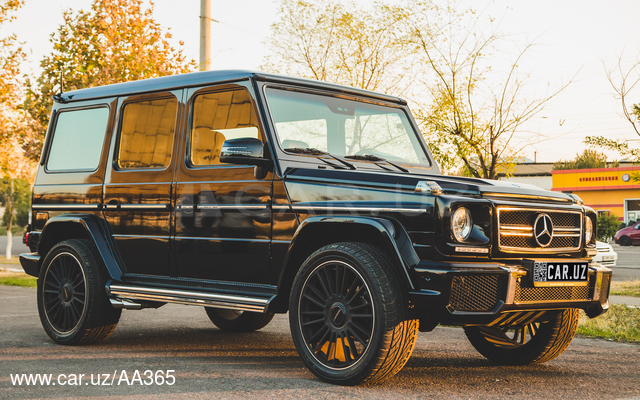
(607, 258)
(551, 273)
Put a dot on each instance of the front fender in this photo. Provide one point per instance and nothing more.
(322, 230)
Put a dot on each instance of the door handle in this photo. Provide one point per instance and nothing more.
(112, 205)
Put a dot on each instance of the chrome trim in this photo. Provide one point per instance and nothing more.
(428, 187)
(519, 228)
(525, 234)
(125, 304)
(66, 206)
(221, 207)
(144, 206)
(213, 239)
(231, 206)
(559, 231)
(514, 279)
(231, 302)
(117, 235)
(526, 196)
(371, 209)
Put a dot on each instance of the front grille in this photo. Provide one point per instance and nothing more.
(476, 292)
(550, 294)
(516, 230)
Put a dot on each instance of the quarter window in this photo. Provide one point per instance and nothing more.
(78, 139)
(218, 117)
(146, 137)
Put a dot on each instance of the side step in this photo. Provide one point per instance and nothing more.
(125, 296)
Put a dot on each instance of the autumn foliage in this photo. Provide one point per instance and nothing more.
(114, 41)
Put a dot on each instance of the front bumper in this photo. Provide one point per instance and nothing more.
(460, 293)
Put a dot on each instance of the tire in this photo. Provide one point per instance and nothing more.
(531, 344)
(72, 301)
(624, 241)
(238, 321)
(348, 315)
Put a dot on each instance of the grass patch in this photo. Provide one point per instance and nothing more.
(10, 278)
(29, 281)
(626, 288)
(621, 323)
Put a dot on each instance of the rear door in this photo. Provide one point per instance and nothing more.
(138, 183)
(223, 216)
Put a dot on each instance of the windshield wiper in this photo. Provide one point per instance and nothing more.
(316, 152)
(371, 157)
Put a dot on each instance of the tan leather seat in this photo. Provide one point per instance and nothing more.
(205, 146)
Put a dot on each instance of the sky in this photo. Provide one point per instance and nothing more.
(575, 40)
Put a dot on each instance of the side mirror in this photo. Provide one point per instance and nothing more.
(248, 151)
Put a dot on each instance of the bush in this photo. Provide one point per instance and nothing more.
(607, 226)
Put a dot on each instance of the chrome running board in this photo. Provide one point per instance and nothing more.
(125, 296)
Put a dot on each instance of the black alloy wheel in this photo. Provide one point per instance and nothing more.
(530, 344)
(348, 315)
(336, 314)
(510, 337)
(624, 241)
(65, 293)
(72, 301)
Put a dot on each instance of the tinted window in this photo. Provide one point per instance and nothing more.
(77, 140)
(146, 137)
(218, 117)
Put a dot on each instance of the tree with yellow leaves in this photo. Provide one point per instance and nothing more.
(114, 41)
(15, 169)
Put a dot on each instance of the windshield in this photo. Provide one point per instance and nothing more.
(344, 128)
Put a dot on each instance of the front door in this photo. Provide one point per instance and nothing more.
(222, 215)
(137, 190)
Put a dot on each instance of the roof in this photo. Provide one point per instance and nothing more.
(207, 77)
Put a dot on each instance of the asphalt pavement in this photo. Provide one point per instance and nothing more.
(208, 363)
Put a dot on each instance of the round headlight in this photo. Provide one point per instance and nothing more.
(588, 230)
(461, 224)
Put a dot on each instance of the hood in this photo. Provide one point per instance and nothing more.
(451, 185)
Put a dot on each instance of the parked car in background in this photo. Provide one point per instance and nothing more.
(628, 236)
(606, 256)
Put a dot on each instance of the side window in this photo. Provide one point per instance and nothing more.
(78, 139)
(146, 135)
(218, 117)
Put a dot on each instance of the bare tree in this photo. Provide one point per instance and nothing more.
(623, 79)
(623, 85)
(470, 119)
(341, 42)
(433, 54)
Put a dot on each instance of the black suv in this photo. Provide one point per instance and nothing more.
(252, 194)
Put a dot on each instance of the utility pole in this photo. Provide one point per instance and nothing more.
(205, 35)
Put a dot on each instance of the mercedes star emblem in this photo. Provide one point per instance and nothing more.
(543, 230)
